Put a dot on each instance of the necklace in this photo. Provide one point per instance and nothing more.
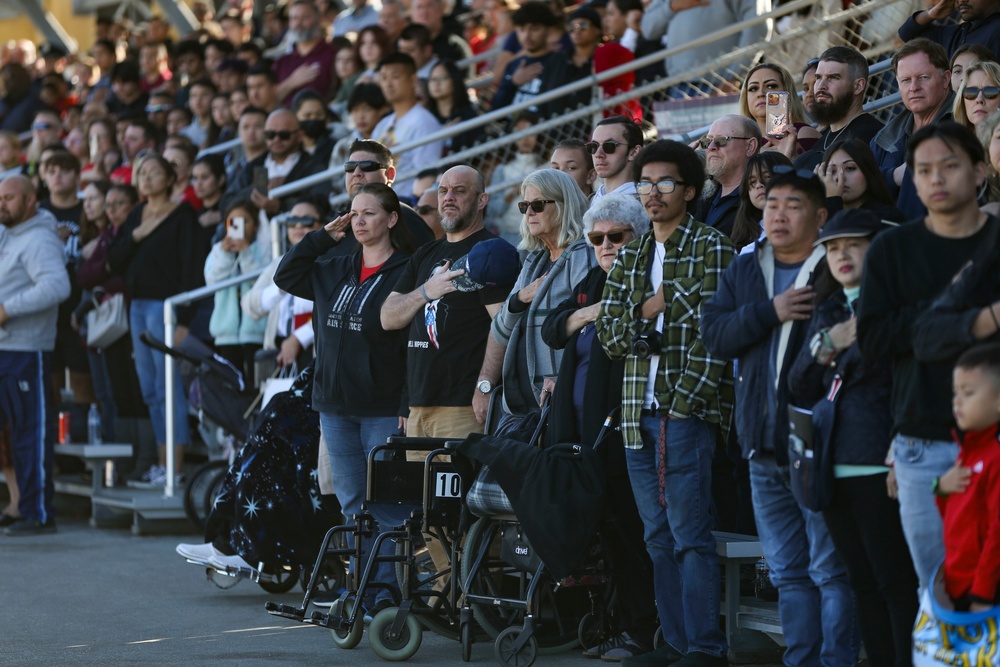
(826, 142)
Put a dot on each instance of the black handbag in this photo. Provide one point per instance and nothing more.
(810, 450)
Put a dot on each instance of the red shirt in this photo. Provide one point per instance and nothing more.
(972, 522)
(367, 272)
(322, 56)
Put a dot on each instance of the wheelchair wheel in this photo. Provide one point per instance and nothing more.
(283, 579)
(394, 648)
(557, 613)
(332, 577)
(434, 612)
(201, 490)
(593, 629)
(506, 655)
(346, 639)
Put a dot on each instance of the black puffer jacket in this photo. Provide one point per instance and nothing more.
(863, 418)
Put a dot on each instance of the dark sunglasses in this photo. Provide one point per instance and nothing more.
(989, 92)
(664, 187)
(366, 166)
(284, 135)
(301, 221)
(609, 147)
(537, 206)
(597, 238)
(784, 169)
(426, 209)
(721, 141)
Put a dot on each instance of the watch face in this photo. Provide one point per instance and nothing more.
(485, 386)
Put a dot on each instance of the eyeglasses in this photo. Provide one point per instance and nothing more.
(284, 135)
(608, 147)
(784, 170)
(597, 238)
(426, 209)
(157, 108)
(42, 126)
(720, 142)
(664, 187)
(537, 206)
(580, 25)
(989, 92)
(366, 166)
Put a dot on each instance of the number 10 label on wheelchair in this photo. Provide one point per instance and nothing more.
(448, 485)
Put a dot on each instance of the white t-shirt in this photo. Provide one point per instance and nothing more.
(415, 123)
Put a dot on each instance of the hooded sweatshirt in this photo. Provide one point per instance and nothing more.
(33, 282)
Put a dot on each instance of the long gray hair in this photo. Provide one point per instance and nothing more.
(570, 206)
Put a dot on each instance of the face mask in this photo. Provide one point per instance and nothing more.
(314, 129)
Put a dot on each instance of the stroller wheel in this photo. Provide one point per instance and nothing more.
(351, 637)
(282, 580)
(593, 629)
(201, 490)
(503, 647)
(394, 648)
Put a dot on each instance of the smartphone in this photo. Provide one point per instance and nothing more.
(236, 228)
(777, 114)
(260, 180)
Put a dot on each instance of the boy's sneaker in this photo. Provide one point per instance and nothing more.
(622, 645)
(152, 478)
(25, 527)
(198, 553)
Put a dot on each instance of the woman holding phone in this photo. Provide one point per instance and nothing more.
(359, 389)
(768, 78)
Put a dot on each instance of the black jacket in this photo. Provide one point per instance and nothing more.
(242, 184)
(863, 413)
(360, 367)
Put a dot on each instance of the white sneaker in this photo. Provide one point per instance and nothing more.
(198, 553)
(235, 562)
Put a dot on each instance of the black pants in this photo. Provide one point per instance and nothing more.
(864, 525)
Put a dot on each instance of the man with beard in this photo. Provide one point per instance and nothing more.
(839, 93)
(730, 143)
(310, 62)
(448, 328)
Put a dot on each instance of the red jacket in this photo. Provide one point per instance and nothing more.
(972, 522)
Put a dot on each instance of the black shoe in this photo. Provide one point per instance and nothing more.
(699, 659)
(659, 657)
(7, 520)
(30, 527)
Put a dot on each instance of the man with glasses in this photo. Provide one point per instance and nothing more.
(397, 77)
(730, 143)
(760, 316)
(615, 143)
(924, 79)
(676, 397)
(284, 162)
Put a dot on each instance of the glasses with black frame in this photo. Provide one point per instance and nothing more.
(608, 147)
(366, 166)
(664, 187)
(284, 135)
(720, 141)
(538, 205)
(597, 238)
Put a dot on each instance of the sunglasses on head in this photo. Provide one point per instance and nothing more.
(664, 187)
(537, 205)
(989, 92)
(720, 141)
(426, 209)
(284, 135)
(597, 238)
(608, 147)
(366, 166)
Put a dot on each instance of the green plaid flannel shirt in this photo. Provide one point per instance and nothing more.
(689, 381)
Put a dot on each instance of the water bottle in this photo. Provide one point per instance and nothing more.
(94, 425)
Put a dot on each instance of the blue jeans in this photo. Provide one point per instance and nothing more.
(679, 536)
(150, 366)
(349, 440)
(815, 601)
(917, 463)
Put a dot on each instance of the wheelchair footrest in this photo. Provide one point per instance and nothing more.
(285, 611)
(330, 621)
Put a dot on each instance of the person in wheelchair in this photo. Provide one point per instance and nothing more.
(360, 385)
(588, 388)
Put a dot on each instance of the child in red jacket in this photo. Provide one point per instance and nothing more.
(969, 493)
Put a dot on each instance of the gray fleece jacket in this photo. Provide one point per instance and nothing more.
(33, 281)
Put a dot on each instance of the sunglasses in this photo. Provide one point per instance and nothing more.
(989, 92)
(664, 187)
(597, 238)
(783, 169)
(284, 135)
(157, 108)
(720, 142)
(366, 166)
(580, 26)
(537, 206)
(608, 147)
(426, 209)
(301, 221)
(42, 126)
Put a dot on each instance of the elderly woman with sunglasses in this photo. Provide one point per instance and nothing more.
(979, 94)
(589, 387)
(558, 259)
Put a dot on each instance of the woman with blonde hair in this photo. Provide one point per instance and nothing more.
(769, 78)
(989, 135)
(979, 94)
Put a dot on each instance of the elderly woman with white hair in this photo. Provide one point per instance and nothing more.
(558, 259)
(589, 386)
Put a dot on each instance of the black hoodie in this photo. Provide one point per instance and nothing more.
(360, 367)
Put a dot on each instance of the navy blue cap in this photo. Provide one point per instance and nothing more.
(856, 222)
(490, 263)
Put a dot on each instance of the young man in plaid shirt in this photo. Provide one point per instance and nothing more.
(676, 398)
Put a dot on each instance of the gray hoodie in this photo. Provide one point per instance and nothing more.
(33, 281)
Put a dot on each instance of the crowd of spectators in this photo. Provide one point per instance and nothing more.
(765, 246)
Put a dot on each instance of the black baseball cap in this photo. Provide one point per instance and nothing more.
(852, 223)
